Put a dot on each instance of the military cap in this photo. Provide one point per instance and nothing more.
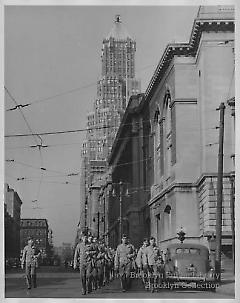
(124, 236)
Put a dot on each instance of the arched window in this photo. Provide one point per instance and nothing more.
(156, 132)
(167, 221)
(169, 134)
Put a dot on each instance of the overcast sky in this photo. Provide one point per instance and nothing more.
(49, 51)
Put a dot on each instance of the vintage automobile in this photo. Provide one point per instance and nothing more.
(188, 265)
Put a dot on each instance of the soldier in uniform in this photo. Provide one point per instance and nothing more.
(124, 256)
(108, 264)
(94, 248)
(155, 263)
(80, 257)
(91, 264)
(141, 261)
(100, 263)
(30, 259)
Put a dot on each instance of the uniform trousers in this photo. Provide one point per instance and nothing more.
(85, 277)
(31, 275)
(156, 273)
(125, 272)
(144, 273)
(100, 273)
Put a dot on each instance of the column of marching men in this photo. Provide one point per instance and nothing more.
(95, 261)
(99, 264)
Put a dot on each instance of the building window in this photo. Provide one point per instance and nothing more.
(173, 136)
(161, 148)
(168, 221)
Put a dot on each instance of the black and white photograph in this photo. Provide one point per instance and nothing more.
(118, 143)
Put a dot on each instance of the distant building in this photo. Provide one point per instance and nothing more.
(39, 231)
(64, 252)
(12, 214)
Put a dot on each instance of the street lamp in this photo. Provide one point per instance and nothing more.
(102, 195)
(120, 206)
(94, 220)
(86, 208)
(181, 235)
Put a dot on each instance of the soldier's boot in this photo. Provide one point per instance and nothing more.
(34, 280)
(88, 285)
(123, 283)
(29, 284)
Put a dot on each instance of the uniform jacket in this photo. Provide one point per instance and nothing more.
(81, 254)
(124, 254)
(141, 259)
(30, 255)
(153, 255)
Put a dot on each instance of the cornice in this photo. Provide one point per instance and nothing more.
(187, 49)
(184, 185)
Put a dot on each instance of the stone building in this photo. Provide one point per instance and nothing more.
(179, 146)
(188, 85)
(12, 214)
(116, 84)
(130, 176)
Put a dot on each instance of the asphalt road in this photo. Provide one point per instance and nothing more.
(55, 282)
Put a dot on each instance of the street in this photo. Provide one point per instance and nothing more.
(57, 282)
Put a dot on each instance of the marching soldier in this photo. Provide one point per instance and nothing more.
(100, 264)
(141, 261)
(80, 257)
(123, 262)
(94, 248)
(108, 264)
(30, 260)
(155, 263)
(90, 263)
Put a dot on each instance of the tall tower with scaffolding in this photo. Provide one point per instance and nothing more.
(114, 88)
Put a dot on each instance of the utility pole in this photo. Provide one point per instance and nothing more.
(219, 195)
(126, 75)
(120, 211)
(98, 216)
(232, 204)
(85, 223)
(104, 215)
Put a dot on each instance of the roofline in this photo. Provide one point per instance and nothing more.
(188, 48)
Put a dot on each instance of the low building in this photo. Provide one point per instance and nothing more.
(12, 214)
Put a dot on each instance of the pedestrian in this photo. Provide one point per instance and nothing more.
(91, 264)
(94, 248)
(155, 264)
(108, 265)
(100, 263)
(141, 261)
(124, 256)
(80, 258)
(30, 260)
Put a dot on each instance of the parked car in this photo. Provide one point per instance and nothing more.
(188, 265)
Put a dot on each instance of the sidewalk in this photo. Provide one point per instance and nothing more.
(227, 285)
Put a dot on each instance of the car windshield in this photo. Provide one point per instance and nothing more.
(188, 251)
